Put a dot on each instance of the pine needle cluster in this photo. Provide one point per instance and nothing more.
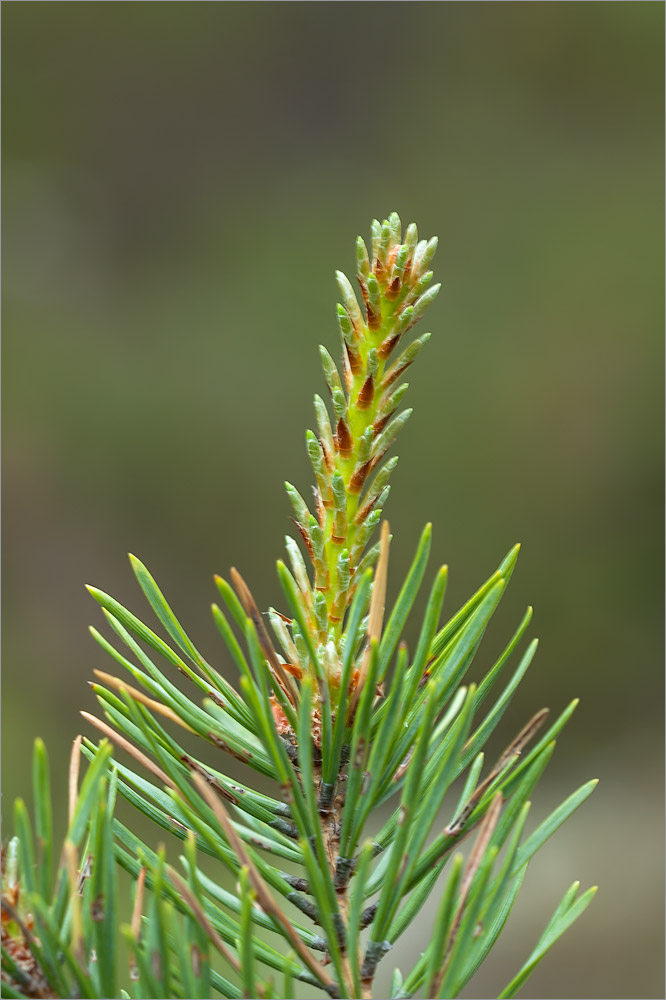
(334, 719)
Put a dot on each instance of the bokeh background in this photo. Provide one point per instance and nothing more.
(180, 181)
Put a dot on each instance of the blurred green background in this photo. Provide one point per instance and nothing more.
(180, 181)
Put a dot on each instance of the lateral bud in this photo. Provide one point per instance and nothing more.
(343, 577)
(321, 615)
(298, 566)
(395, 227)
(362, 259)
(325, 432)
(339, 404)
(369, 559)
(384, 244)
(389, 434)
(363, 463)
(316, 455)
(373, 305)
(331, 373)
(405, 320)
(404, 361)
(363, 534)
(350, 302)
(388, 404)
(375, 490)
(298, 503)
(340, 506)
(345, 324)
(428, 253)
(424, 301)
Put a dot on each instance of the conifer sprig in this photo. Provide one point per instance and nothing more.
(351, 442)
(333, 709)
